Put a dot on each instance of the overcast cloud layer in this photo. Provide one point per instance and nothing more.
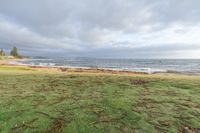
(102, 28)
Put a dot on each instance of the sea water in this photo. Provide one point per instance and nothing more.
(188, 66)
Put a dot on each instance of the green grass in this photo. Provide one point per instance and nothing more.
(5, 57)
(60, 102)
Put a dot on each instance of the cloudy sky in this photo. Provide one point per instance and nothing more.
(102, 28)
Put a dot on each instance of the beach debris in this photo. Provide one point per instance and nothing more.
(188, 129)
(25, 124)
(127, 130)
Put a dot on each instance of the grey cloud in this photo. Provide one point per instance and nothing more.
(91, 26)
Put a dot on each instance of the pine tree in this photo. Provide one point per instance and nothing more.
(14, 52)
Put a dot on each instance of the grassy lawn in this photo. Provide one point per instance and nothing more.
(32, 101)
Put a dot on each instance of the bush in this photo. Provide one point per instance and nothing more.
(2, 53)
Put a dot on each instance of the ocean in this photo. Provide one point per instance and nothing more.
(185, 66)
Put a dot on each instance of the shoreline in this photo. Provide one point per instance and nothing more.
(7, 63)
(68, 69)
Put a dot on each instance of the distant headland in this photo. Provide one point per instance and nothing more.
(14, 54)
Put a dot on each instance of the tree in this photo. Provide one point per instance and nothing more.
(14, 52)
(2, 53)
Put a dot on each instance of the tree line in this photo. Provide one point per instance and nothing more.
(13, 52)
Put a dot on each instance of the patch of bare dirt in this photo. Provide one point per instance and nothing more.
(58, 100)
(63, 69)
(166, 93)
(139, 82)
(56, 126)
(102, 118)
